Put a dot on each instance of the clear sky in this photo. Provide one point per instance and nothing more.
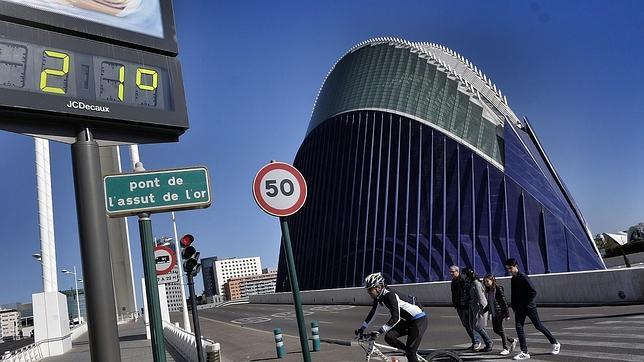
(252, 70)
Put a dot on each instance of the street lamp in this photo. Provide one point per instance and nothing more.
(65, 271)
(37, 256)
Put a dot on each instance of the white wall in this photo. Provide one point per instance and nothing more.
(600, 287)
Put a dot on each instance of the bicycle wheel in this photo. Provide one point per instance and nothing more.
(447, 356)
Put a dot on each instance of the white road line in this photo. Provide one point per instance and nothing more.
(619, 322)
(595, 343)
(449, 316)
(636, 317)
(606, 328)
(587, 354)
(598, 335)
(579, 315)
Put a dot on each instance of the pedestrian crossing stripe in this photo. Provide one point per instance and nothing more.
(593, 343)
(616, 322)
(593, 335)
(607, 328)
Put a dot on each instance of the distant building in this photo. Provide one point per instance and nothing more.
(237, 288)
(9, 323)
(208, 275)
(173, 294)
(72, 307)
(225, 269)
(269, 270)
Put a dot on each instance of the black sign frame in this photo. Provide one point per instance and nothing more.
(47, 115)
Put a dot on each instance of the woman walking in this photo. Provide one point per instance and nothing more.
(478, 302)
(498, 308)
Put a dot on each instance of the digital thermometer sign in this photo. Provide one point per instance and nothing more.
(46, 70)
(56, 80)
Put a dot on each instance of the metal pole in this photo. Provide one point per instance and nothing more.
(184, 304)
(292, 275)
(97, 270)
(151, 287)
(77, 299)
(195, 316)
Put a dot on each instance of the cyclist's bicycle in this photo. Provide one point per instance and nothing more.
(368, 343)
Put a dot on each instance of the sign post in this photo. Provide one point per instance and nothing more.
(97, 269)
(143, 193)
(280, 190)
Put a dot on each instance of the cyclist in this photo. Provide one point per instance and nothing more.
(406, 318)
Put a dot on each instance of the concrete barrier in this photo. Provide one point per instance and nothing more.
(587, 288)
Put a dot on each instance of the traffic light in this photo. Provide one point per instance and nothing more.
(190, 255)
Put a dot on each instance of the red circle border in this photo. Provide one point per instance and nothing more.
(264, 205)
(174, 259)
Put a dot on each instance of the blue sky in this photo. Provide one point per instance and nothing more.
(252, 70)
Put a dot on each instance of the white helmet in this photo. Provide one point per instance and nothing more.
(374, 280)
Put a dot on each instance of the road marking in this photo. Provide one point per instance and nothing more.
(289, 314)
(449, 316)
(616, 322)
(611, 328)
(250, 320)
(636, 317)
(600, 335)
(587, 354)
(579, 315)
(595, 343)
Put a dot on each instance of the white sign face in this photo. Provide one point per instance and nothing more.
(164, 259)
(172, 277)
(279, 189)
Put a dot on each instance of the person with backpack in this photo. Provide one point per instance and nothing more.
(497, 306)
(523, 303)
(406, 318)
(478, 303)
(461, 302)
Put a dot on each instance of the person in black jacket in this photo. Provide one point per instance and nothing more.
(460, 300)
(498, 308)
(523, 303)
(406, 318)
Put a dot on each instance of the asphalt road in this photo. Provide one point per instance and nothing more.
(586, 334)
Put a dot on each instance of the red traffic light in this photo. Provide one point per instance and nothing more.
(186, 240)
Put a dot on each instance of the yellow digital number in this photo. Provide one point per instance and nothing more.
(139, 78)
(54, 72)
(121, 80)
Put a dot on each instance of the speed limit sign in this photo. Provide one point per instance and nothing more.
(279, 189)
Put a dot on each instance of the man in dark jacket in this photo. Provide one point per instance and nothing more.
(460, 300)
(523, 303)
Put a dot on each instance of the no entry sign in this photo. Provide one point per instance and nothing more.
(279, 189)
(165, 259)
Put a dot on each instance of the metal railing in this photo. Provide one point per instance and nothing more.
(185, 344)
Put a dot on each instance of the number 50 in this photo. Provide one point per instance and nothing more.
(286, 187)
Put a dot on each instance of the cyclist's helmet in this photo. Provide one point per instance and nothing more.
(374, 280)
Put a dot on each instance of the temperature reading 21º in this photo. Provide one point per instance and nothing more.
(79, 75)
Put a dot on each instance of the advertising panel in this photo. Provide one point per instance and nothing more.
(146, 23)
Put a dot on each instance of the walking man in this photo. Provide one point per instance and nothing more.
(523, 303)
(460, 300)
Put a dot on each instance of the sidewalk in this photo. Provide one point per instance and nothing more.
(134, 347)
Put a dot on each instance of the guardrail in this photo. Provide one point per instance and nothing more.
(185, 344)
(28, 353)
(32, 352)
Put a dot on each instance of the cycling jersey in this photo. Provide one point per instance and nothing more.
(399, 309)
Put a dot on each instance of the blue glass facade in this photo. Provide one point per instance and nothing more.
(394, 192)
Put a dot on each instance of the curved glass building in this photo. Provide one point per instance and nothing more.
(415, 162)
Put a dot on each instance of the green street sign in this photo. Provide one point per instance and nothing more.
(156, 191)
